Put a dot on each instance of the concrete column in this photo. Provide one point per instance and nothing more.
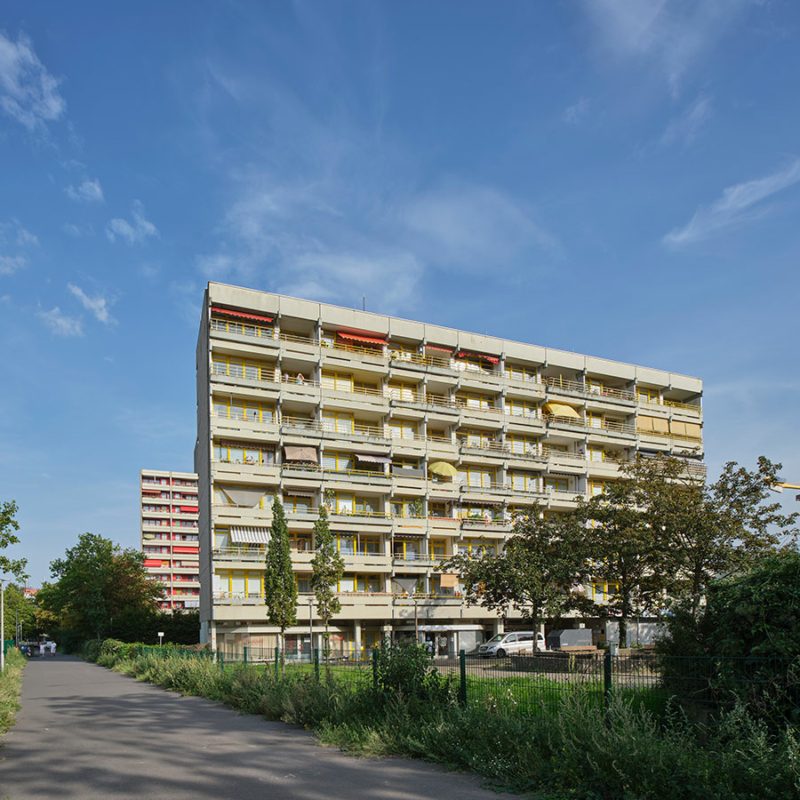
(498, 627)
(357, 637)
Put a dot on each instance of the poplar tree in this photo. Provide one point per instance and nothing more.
(280, 589)
(327, 568)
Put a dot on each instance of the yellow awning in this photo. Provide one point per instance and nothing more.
(443, 468)
(561, 410)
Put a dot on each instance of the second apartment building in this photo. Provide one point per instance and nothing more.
(422, 441)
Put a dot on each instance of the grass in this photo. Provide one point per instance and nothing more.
(10, 686)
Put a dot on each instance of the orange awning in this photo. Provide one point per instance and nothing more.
(490, 359)
(361, 337)
(244, 314)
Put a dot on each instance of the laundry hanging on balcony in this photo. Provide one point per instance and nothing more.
(249, 496)
(300, 454)
(249, 535)
(561, 410)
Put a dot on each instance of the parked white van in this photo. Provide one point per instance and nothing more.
(506, 644)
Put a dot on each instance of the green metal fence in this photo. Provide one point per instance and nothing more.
(539, 683)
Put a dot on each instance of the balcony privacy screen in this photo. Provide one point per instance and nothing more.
(244, 495)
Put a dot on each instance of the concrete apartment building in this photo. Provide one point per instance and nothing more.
(368, 414)
(169, 525)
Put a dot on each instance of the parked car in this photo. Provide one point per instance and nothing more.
(506, 644)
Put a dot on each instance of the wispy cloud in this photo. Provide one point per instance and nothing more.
(684, 129)
(28, 92)
(15, 237)
(737, 204)
(86, 192)
(98, 305)
(136, 232)
(670, 35)
(575, 113)
(61, 324)
(76, 231)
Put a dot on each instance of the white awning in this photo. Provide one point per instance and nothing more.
(244, 495)
(248, 535)
(370, 459)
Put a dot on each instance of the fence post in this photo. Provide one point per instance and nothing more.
(375, 668)
(245, 655)
(462, 686)
(607, 685)
(221, 659)
(316, 663)
(277, 653)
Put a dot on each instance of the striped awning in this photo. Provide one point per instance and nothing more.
(362, 337)
(243, 314)
(249, 535)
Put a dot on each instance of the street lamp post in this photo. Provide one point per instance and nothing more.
(311, 628)
(2, 625)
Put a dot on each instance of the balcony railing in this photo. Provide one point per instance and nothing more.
(242, 328)
(492, 447)
(356, 349)
(421, 360)
(605, 426)
(579, 387)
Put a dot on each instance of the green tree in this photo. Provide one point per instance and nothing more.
(327, 568)
(626, 551)
(18, 608)
(537, 572)
(95, 582)
(280, 588)
(8, 528)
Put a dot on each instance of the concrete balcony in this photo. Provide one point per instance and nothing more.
(231, 472)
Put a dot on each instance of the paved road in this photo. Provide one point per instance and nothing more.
(88, 733)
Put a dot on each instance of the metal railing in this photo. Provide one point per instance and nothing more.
(223, 325)
(604, 426)
(492, 447)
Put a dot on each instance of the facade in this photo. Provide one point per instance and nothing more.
(421, 440)
(169, 524)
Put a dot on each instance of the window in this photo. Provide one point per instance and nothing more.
(369, 583)
(367, 506)
(402, 429)
(362, 387)
(346, 544)
(369, 545)
(338, 381)
(438, 435)
(399, 462)
(597, 487)
(485, 513)
(474, 364)
(524, 481)
(185, 523)
(477, 547)
(437, 509)
(250, 410)
(647, 395)
(406, 507)
(238, 453)
(470, 400)
(240, 582)
(602, 591)
(403, 351)
(156, 523)
(594, 385)
(399, 390)
(337, 462)
(594, 419)
(552, 484)
(438, 547)
(241, 368)
(596, 452)
(407, 549)
(520, 408)
(155, 509)
(294, 504)
(338, 422)
(303, 582)
(484, 477)
(300, 542)
(519, 373)
(521, 445)
(474, 438)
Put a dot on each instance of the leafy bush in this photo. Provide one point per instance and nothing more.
(406, 668)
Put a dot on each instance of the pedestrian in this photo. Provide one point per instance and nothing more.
(52, 649)
(42, 646)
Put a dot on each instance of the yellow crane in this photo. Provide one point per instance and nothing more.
(779, 487)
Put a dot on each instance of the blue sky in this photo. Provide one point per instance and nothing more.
(614, 177)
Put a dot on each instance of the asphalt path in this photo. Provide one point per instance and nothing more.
(88, 733)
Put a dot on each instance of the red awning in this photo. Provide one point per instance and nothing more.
(152, 562)
(361, 337)
(194, 549)
(189, 509)
(151, 491)
(243, 314)
(491, 359)
(437, 347)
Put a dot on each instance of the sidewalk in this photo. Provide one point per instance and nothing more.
(87, 733)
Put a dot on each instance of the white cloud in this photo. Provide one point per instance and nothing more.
(28, 92)
(683, 130)
(10, 264)
(465, 226)
(671, 35)
(60, 324)
(138, 232)
(87, 192)
(97, 305)
(577, 111)
(737, 204)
